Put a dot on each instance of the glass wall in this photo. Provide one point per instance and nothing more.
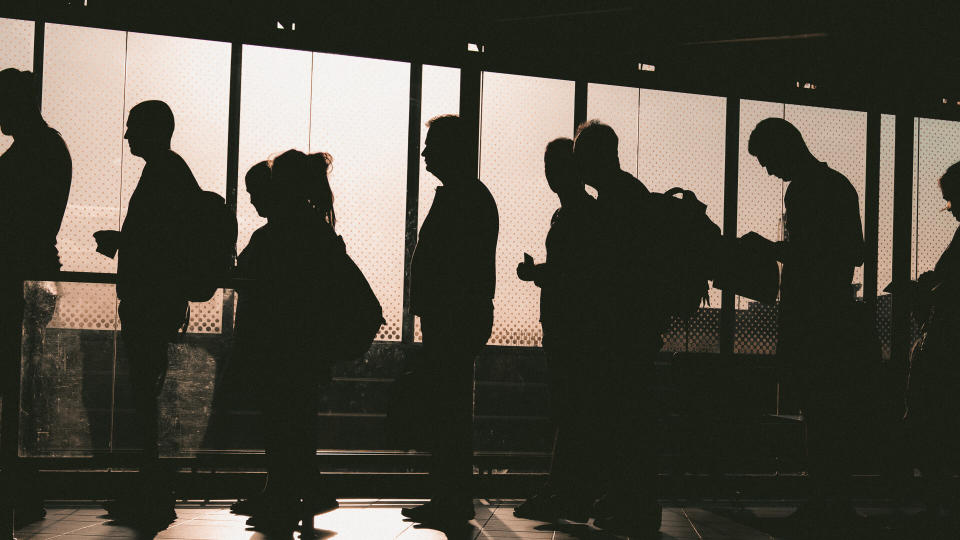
(885, 233)
(519, 116)
(936, 147)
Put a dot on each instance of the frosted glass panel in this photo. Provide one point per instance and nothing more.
(519, 116)
(16, 51)
(937, 147)
(885, 233)
(360, 115)
(440, 94)
(83, 98)
(274, 117)
(616, 106)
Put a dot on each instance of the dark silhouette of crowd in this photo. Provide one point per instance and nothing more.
(303, 306)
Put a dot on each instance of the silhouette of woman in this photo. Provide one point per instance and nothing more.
(933, 390)
(282, 321)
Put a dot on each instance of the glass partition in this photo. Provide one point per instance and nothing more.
(16, 51)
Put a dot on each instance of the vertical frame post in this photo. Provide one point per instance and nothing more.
(413, 195)
(902, 234)
(730, 187)
(233, 162)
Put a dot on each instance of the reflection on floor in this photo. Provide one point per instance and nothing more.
(374, 519)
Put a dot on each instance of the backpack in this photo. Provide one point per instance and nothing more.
(357, 314)
(684, 246)
(210, 247)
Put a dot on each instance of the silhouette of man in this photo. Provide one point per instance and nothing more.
(452, 285)
(35, 174)
(625, 338)
(149, 286)
(564, 281)
(823, 243)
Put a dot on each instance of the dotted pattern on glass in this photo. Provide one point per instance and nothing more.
(885, 236)
(440, 94)
(16, 51)
(938, 147)
(193, 77)
(274, 117)
(83, 99)
(360, 115)
(520, 115)
(838, 138)
(759, 209)
(616, 106)
(681, 144)
(84, 306)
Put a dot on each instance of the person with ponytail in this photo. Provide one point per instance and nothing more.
(282, 321)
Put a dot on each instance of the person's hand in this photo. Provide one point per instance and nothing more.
(108, 242)
(525, 271)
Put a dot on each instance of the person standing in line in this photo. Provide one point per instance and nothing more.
(35, 177)
(565, 294)
(153, 305)
(625, 338)
(823, 244)
(284, 323)
(453, 277)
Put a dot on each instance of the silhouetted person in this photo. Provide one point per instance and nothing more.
(823, 243)
(236, 375)
(933, 392)
(453, 276)
(625, 338)
(35, 174)
(565, 282)
(284, 330)
(153, 305)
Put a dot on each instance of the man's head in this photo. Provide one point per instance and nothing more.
(950, 188)
(446, 151)
(18, 102)
(149, 128)
(595, 152)
(779, 148)
(559, 168)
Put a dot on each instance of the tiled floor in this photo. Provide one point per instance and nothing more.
(375, 519)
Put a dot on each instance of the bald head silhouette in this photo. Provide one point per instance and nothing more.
(149, 128)
(596, 152)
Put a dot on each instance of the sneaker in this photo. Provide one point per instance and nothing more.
(276, 517)
(29, 512)
(440, 511)
(148, 513)
(640, 521)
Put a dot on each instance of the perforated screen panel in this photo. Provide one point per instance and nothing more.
(83, 86)
(360, 115)
(617, 106)
(937, 147)
(274, 117)
(519, 116)
(885, 233)
(16, 51)
(440, 94)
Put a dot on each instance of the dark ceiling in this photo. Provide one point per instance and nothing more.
(882, 47)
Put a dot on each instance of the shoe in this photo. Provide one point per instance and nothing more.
(276, 516)
(551, 507)
(440, 511)
(640, 521)
(149, 513)
(27, 513)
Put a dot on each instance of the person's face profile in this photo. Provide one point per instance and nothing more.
(436, 155)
